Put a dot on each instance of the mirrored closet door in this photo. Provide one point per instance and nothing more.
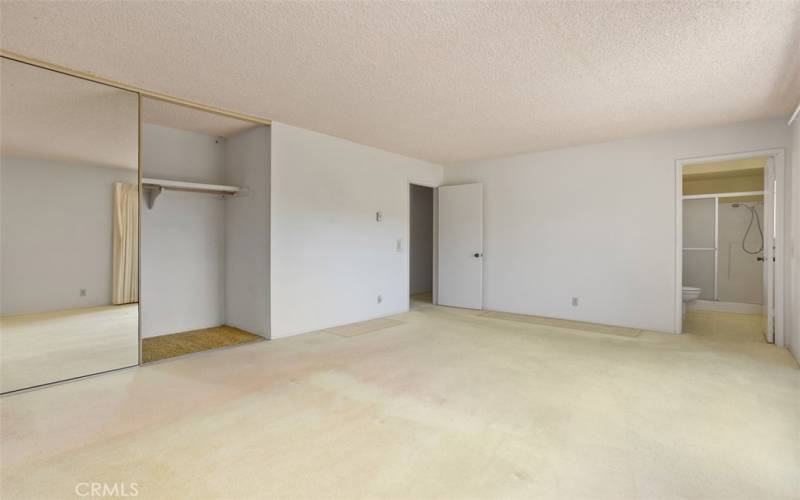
(69, 227)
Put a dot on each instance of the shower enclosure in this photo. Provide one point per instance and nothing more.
(724, 247)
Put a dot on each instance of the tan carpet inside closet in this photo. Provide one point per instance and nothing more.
(178, 344)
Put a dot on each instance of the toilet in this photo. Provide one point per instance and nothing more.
(690, 294)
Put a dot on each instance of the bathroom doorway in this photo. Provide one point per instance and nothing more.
(729, 220)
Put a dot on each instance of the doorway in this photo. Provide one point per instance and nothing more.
(421, 245)
(729, 220)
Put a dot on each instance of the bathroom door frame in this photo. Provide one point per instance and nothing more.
(778, 157)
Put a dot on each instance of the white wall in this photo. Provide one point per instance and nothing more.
(182, 237)
(56, 234)
(421, 241)
(330, 257)
(596, 222)
(793, 327)
(170, 153)
(247, 232)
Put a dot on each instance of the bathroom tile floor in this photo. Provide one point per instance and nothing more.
(723, 326)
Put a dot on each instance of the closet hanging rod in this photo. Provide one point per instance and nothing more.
(153, 187)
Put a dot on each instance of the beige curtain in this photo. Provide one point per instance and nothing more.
(126, 244)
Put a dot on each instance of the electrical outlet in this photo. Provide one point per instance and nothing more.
(380, 299)
(83, 292)
(574, 301)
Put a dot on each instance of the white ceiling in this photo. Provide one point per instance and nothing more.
(441, 81)
(56, 117)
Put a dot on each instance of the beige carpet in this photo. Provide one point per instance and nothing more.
(363, 327)
(619, 331)
(178, 344)
(447, 405)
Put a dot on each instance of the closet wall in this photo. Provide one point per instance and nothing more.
(247, 227)
(183, 235)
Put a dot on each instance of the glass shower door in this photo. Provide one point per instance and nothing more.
(741, 273)
(700, 245)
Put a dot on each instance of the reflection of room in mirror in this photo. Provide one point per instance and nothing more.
(44, 347)
(68, 227)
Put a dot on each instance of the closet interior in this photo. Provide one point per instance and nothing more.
(132, 229)
(204, 230)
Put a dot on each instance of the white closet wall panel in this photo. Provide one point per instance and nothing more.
(169, 153)
(183, 235)
(247, 160)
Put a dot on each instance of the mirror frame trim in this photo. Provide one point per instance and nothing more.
(131, 88)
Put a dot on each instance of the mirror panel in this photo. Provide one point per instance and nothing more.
(69, 227)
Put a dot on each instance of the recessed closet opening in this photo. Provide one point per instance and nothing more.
(204, 231)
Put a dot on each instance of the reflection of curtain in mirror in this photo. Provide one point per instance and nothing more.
(126, 244)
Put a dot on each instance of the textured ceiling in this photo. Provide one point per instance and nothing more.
(44, 114)
(443, 81)
(171, 115)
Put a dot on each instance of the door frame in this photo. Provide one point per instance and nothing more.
(435, 236)
(779, 159)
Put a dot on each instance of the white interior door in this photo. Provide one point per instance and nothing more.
(461, 246)
(769, 247)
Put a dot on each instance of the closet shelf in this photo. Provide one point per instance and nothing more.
(153, 187)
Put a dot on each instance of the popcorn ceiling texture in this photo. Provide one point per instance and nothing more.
(445, 82)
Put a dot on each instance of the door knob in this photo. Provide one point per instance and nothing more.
(477, 255)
